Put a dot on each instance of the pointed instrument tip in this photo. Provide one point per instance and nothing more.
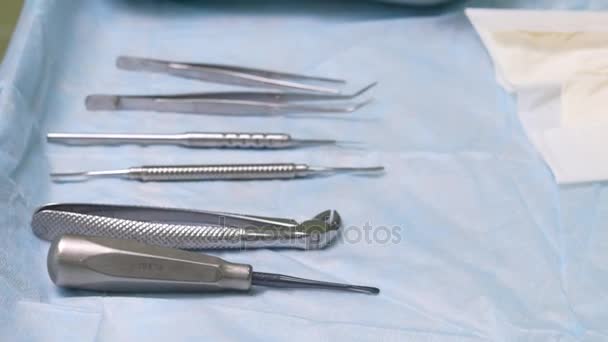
(314, 142)
(359, 105)
(65, 177)
(280, 280)
(364, 289)
(365, 89)
(370, 169)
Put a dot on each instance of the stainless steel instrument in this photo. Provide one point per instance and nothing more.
(191, 139)
(186, 229)
(233, 75)
(214, 172)
(231, 103)
(103, 264)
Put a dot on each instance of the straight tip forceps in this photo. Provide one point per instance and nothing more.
(228, 74)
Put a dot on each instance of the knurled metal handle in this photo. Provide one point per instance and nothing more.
(217, 172)
(50, 225)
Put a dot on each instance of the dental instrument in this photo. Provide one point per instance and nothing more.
(230, 103)
(191, 139)
(227, 74)
(103, 264)
(214, 172)
(186, 229)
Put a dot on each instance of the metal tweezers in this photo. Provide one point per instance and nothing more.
(229, 103)
(187, 229)
(232, 103)
(227, 74)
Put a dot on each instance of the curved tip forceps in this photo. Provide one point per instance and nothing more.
(307, 98)
(186, 229)
(230, 103)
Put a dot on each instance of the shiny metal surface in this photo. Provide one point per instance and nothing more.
(103, 264)
(214, 172)
(227, 74)
(187, 229)
(280, 280)
(231, 103)
(218, 172)
(191, 139)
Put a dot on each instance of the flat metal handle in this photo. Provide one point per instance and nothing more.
(104, 264)
(217, 172)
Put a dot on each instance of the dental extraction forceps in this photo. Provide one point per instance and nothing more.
(187, 229)
(214, 172)
(230, 103)
(226, 74)
(191, 139)
(103, 264)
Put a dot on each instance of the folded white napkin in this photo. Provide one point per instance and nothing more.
(557, 64)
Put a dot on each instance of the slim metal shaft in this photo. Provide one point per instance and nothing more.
(320, 170)
(190, 139)
(215, 172)
(280, 280)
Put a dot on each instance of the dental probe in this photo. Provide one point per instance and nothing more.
(191, 139)
(214, 172)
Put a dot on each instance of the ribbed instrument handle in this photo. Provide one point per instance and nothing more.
(217, 172)
(237, 140)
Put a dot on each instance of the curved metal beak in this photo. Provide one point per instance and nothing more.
(332, 219)
(321, 230)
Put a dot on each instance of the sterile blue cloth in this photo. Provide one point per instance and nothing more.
(483, 244)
